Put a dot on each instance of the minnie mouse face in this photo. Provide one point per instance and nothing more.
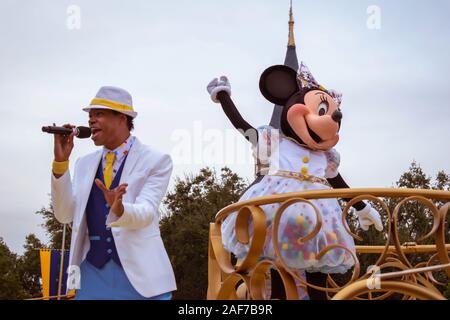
(316, 120)
(310, 116)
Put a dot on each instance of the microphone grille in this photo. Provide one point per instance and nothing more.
(83, 132)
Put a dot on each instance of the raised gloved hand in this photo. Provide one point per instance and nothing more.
(217, 85)
(369, 216)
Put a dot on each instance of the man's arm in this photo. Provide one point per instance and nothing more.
(61, 185)
(62, 198)
(142, 212)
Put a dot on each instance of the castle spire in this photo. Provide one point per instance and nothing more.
(291, 42)
(290, 60)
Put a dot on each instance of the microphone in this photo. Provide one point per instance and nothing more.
(80, 132)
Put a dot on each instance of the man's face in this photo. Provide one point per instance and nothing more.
(105, 126)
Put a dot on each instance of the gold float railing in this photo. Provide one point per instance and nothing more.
(248, 278)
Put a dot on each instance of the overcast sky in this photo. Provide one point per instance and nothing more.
(395, 81)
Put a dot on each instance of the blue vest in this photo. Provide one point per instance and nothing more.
(102, 247)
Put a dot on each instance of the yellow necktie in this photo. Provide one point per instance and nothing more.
(110, 157)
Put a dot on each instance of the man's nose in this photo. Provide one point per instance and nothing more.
(336, 115)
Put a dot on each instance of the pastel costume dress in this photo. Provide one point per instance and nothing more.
(290, 167)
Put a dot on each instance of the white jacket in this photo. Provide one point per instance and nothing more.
(136, 233)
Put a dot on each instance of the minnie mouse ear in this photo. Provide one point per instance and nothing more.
(278, 83)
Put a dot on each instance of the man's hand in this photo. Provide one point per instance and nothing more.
(63, 145)
(113, 197)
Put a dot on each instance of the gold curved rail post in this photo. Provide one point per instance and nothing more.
(258, 281)
(247, 278)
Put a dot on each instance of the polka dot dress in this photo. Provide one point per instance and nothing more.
(299, 219)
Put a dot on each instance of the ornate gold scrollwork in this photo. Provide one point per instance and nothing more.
(247, 278)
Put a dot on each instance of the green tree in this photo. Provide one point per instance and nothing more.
(29, 267)
(191, 207)
(10, 284)
(54, 229)
(414, 220)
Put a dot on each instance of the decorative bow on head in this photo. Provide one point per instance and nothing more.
(306, 80)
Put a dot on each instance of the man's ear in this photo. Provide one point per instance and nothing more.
(278, 83)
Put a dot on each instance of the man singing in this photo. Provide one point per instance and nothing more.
(113, 202)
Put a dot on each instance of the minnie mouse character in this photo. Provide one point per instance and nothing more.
(297, 158)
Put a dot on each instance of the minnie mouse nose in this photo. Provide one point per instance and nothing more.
(336, 115)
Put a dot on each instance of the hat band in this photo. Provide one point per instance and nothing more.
(111, 104)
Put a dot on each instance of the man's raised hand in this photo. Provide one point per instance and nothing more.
(113, 197)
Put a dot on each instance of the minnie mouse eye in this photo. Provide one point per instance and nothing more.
(322, 108)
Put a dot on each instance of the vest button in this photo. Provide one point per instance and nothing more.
(109, 251)
(107, 206)
(108, 239)
(305, 159)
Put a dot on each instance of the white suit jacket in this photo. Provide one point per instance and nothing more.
(136, 232)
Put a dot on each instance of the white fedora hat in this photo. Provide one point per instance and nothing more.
(113, 98)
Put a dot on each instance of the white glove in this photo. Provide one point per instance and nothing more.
(215, 86)
(369, 216)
